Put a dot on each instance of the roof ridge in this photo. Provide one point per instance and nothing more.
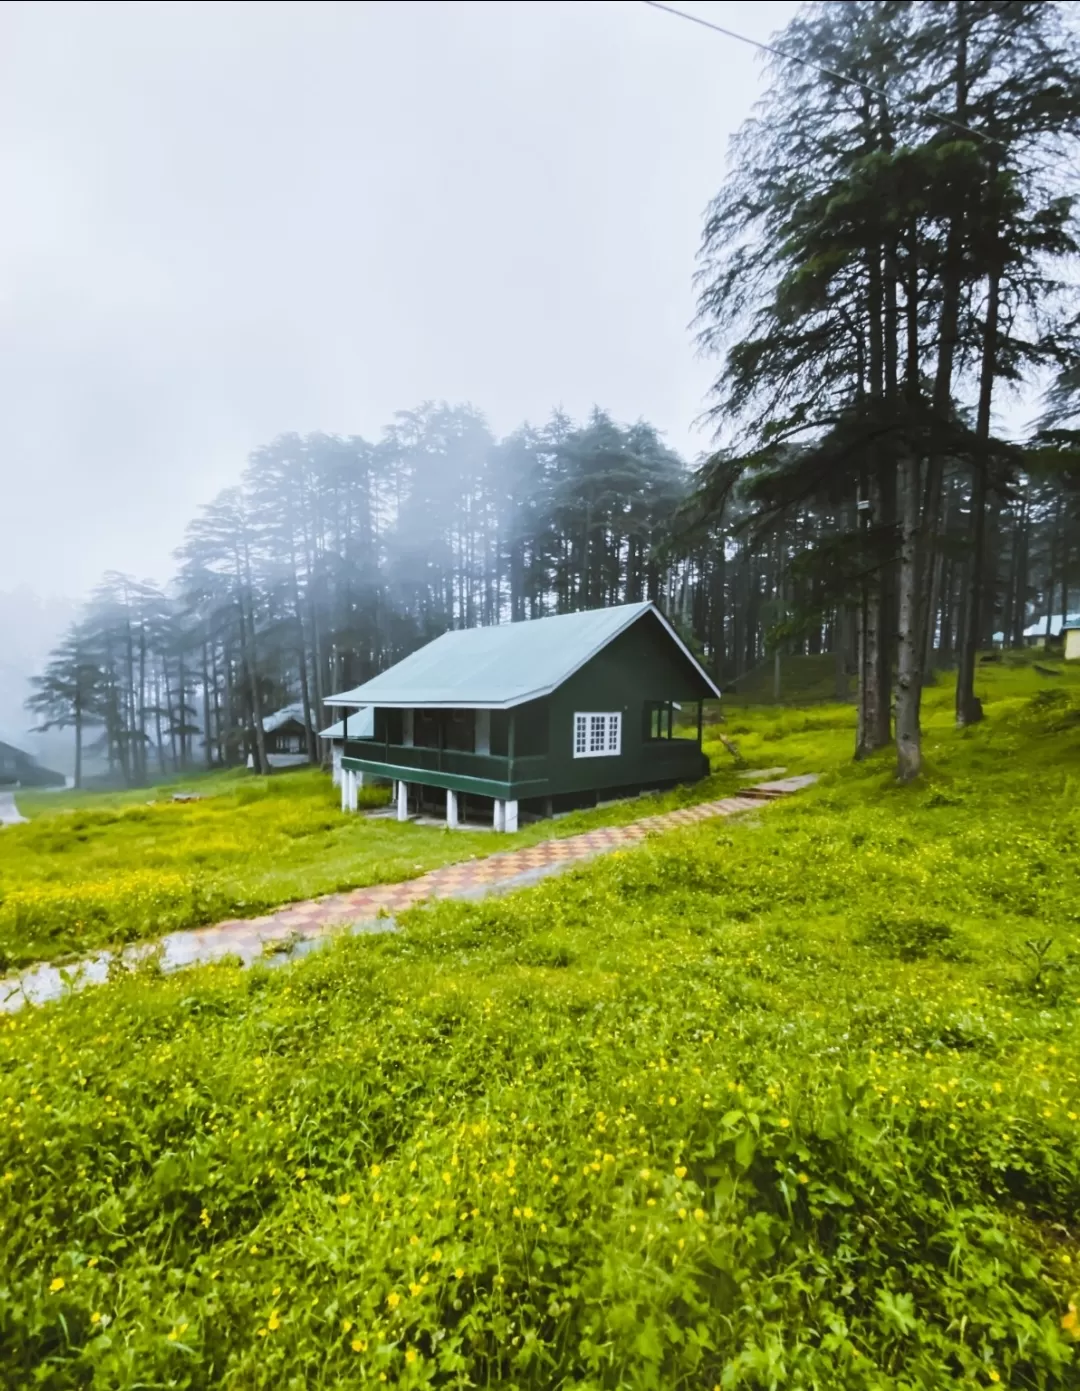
(500, 665)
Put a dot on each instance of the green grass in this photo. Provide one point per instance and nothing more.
(92, 870)
(785, 1101)
(804, 680)
(47, 802)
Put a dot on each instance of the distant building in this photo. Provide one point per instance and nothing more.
(285, 736)
(1072, 644)
(18, 769)
(532, 717)
(356, 724)
(1035, 634)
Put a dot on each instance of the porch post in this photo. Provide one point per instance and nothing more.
(451, 809)
(500, 814)
(403, 801)
(344, 789)
(510, 816)
(354, 782)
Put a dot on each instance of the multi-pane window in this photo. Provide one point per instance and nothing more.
(597, 734)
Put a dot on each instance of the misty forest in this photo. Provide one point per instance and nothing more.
(878, 274)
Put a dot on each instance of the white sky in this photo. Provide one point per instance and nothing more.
(222, 221)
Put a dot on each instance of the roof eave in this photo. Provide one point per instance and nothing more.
(411, 702)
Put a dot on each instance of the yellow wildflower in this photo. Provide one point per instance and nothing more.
(410, 1354)
(1070, 1322)
(57, 1285)
(344, 1199)
(460, 1272)
(95, 1317)
(273, 1321)
(680, 1171)
(359, 1345)
(393, 1299)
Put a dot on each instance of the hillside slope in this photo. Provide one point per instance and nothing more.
(791, 1102)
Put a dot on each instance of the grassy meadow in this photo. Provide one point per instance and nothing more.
(93, 870)
(786, 1101)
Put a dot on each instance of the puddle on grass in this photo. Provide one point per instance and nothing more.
(42, 984)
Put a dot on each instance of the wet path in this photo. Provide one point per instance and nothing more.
(298, 928)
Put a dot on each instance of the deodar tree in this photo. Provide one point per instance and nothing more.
(885, 253)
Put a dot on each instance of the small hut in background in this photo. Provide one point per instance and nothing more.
(286, 738)
(18, 769)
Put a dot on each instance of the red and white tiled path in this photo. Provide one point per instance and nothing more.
(290, 929)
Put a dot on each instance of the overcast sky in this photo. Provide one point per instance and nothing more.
(222, 221)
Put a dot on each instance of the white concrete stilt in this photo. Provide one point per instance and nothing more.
(403, 801)
(451, 809)
(510, 816)
(500, 815)
(354, 783)
(343, 774)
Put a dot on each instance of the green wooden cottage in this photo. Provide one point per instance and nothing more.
(528, 719)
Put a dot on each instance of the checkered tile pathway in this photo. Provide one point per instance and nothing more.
(469, 878)
(370, 909)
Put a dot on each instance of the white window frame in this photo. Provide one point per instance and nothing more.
(597, 733)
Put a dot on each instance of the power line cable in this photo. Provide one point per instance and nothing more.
(806, 63)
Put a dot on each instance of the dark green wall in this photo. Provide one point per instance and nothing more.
(641, 665)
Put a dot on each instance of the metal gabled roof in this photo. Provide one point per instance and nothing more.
(505, 665)
(361, 725)
(283, 716)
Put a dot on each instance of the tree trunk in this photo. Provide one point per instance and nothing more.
(208, 748)
(78, 739)
(968, 706)
(258, 734)
(909, 676)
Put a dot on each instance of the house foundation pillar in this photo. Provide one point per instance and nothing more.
(510, 816)
(403, 801)
(343, 778)
(499, 820)
(451, 810)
